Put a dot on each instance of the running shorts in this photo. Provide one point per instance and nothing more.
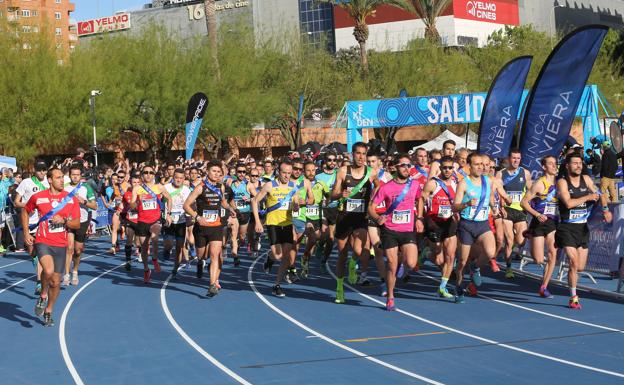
(572, 235)
(80, 234)
(539, 229)
(469, 231)
(347, 223)
(206, 234)
(439, 231)
(515, 215)
(391, 239)
(57, 254)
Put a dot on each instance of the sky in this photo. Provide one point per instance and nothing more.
(91, 9)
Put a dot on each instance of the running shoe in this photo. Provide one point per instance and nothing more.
(390, 304)
(340, 296)
(217, 284)
(212, 291)
(459, 296)
(544, 293)
(200, 268)
(444, 293)
(384, 289)
(305, 268)
(472, 289)
(65, 280)
(476, 277)
(236, 261)
(192, 252)
(509, 274)
(38, 288)
(128, 266)
(363, 280)
(288, 278)
(268, 264)
(494, 266)
(156, 265)
(574, 303)
(40, 306)
(400, 271)
(146, 276)
(2, 249)
(47, 320)
(278, 292)
(113, 250)
(352, 278)
(74, 280)
(294, 277)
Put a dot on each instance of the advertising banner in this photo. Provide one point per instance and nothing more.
(194, 116)
(489, 11)
(117, 22)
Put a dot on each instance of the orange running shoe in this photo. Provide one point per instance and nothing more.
(494, 266)
(146, 276)
(472, 289)
(156, 265)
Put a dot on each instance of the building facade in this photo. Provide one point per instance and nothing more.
(38, 16)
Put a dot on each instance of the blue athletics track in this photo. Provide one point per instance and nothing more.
(113, 329)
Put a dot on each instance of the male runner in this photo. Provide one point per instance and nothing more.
(541, 202)
(448, 149)
(353, 189)
(374, 236)
(58, 211)
(130, 219)
(176, 231)
(577, 194)
(329, 208)
(403, 213)
(76, 238)
(516, 181)
(312, 216)
(473, 199)
(241, 200)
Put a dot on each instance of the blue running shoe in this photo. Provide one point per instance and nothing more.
(476, 277)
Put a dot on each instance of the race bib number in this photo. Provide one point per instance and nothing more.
(211, 215)
(382, 205)
(579, 215)
(482, 215)
(176, 216)
(178, 208)
(401, 217)
(551, 209)
(444, 212)
(133, 215)
(355, 205)
(516, 196)
(285, 206)
(55, 228)
(149, 204)
(241, 204)
(312, 211)
(222, 212)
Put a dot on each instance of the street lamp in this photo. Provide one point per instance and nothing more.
(553, 25)
(94, 93)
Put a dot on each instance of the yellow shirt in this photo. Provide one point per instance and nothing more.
(281, 216)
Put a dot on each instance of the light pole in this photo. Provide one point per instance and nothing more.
(553, 23)
(94, 93)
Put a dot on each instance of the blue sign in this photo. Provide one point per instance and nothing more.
(556, 95)
(502, 108)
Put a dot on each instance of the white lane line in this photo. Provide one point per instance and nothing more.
(327, 339)
(190, 341)
(62, 340)
(14, 263)
(538, 311)
(482, 339)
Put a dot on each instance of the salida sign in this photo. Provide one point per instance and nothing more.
(105, 24)
(490, 11)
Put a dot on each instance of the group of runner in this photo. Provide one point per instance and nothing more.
(453, 208)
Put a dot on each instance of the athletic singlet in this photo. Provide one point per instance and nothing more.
(147, 206)
(381, 208)
(440, 204)
(282, 216)
(546, 202)
(474, 192)
(328, 181)
(301, 193)
(580, 213)
(131, 215)
(209, 204)
(312, 212)
(515, 186)
(358, 203)
(239, 192)
(178, 197)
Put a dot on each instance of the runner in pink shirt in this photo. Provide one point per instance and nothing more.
(400, 222)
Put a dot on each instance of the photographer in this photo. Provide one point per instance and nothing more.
(607, 172)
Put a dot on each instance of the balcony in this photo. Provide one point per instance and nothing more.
(12, 17)
(72, 7)
(13, 5)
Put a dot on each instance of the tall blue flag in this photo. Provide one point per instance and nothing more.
(556, 94)
(500, 111)
(194, 116)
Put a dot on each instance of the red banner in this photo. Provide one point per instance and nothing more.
(104, 24)
(489, 11)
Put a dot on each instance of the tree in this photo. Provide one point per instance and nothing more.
(428, 11)
(213, 38)
(359, 11)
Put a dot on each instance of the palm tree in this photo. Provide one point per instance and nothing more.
(428, 11)
(211, 26)
(359, 10)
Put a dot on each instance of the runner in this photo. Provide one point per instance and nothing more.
(58, 210)
(76, 238)
(516, 181)
(148, 199)
(176, 231)
(129, 220)
(211, 205)
(403, 213)
(114, 195)
(194, 180)
(329, 208)
(25, 190)
(440, 221)
(577, 194)
(304, 196)
(253, 188)
(448, 149)
(353, 189)
(541, 202)
(313, 216)
(280, 205)
(473, 199)
(241, 200)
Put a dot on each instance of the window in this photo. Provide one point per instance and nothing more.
(34, 13)
(57, 15)
(58, 31)
(26, 28)
(25, 13)
(57, 1)
(35, 29)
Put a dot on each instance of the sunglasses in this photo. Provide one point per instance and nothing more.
(404, 165)
(241, 171)
(149, 173)
(254, 175)
(331, 159)
(447, 168)
(297, 169)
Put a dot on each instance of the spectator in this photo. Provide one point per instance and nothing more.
(607, 171)
(593, 162)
